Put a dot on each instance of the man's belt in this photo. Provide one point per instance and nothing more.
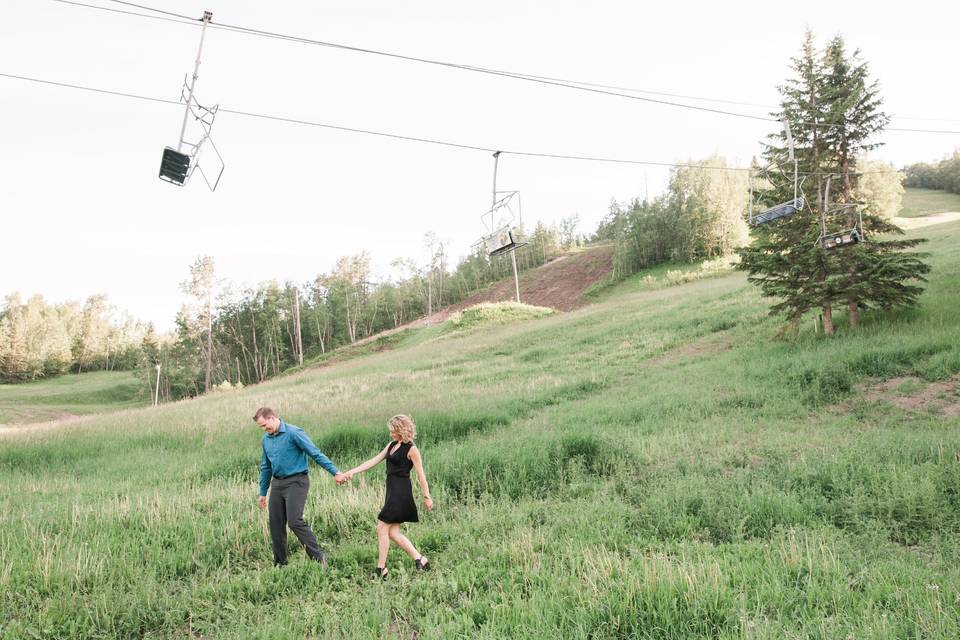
(292, 475)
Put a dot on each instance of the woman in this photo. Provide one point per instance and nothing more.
(401, 456)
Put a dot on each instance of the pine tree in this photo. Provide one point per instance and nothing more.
(784, 260)
(876, 269)
(833, 113)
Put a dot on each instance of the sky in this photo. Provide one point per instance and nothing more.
(82, 210)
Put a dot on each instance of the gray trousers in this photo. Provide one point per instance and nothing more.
(287, 498)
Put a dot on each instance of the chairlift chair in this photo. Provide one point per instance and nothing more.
(174, 166)
(500, 241)
(784, 209)
(177, 165)
(841, 239)
(846, 237)
(500, 238)
(778, 211)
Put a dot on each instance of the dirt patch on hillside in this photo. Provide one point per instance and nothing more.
(915, 395)
(694, 350)
(926, 221)
(33, 427)
(558, 284)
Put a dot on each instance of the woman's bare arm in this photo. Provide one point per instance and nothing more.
(369, 464)
(414, 456)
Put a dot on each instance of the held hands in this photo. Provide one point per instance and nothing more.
(343, 478)
(263, 502)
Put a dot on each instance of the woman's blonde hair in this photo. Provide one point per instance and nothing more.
(403, 426)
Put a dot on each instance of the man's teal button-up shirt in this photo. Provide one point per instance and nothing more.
(285, 453)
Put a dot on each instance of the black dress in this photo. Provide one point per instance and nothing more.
(399, 505)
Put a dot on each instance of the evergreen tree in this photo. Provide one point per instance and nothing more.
(783, 259)
(834, 113)
(855, 117)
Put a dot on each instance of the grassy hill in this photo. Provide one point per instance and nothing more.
(70, 395)
(925, 202)
(651, 466)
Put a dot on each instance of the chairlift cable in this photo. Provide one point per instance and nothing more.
(705, 99)
(397, 136)
(190, 21)
(531, 78)
(146, 8)
(586, 87)
(93, 89)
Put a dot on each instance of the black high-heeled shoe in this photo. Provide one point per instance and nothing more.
(421, 565)
(381, 573)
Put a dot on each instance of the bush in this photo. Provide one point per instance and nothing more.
(495, 313)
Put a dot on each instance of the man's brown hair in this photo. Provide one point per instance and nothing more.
(264, 412)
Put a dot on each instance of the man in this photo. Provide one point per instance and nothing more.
(284, 465)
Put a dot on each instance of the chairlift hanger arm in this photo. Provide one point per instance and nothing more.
(207, 17)
(176, 166)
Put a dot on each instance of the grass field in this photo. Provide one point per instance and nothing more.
(70, 395)
(925, 202)
(663, 275)
(652, 466)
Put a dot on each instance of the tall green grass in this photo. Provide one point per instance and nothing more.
(653, 466)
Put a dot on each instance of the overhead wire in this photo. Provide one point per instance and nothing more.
(68, 85)
(184, 19)
(546, 80)
(397, 136)
(155, 10)
(191, 21)
(706, 99)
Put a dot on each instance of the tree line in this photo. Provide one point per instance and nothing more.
(943, 175)
(245, 336)
(700, 217)
(39, 339)
(226, 337)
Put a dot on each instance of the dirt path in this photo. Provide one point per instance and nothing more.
(34, 427)
(558, 284)
(926, 221)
